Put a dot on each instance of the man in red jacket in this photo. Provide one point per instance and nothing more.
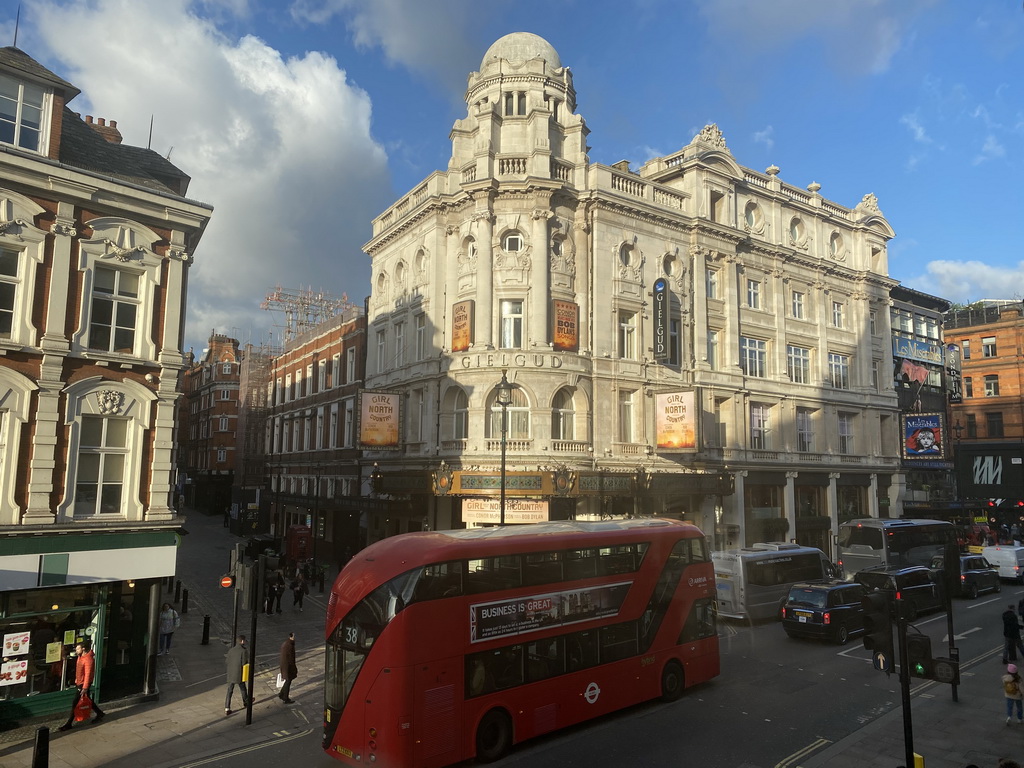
(85, 669)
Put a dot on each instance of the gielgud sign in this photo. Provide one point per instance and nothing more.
(379, 419)
(676, 421)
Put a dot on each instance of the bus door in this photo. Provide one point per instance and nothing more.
(438, 718)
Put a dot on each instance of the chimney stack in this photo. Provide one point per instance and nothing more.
(108, 132)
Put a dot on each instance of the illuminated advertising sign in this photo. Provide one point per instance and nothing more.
(462, 325)
(676, 417)
(660, 314)
(566, 334)
(379, 419)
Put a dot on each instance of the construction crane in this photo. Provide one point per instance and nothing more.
(304, 308)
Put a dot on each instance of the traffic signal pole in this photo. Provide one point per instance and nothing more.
(908, 724)
(260, 575)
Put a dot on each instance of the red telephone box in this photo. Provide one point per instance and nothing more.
(298, 543)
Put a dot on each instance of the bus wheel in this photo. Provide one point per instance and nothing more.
(493, 736)
(671, 681)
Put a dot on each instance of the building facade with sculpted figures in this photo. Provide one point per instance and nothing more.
(691, 338)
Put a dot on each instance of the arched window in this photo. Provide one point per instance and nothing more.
(518, 416)
(460, 411)
(563, 416)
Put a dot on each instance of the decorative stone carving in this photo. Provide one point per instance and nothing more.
(63, 229)
(5, 225)
(110, 402)
(868, 206)
(124, 254)
(710, 134)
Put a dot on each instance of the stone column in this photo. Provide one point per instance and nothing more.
(789, 503)
(540, 280)
(483, 225)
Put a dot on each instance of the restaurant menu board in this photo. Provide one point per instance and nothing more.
(14, 672)
(53, 652)
(69, 637)
(16, 644)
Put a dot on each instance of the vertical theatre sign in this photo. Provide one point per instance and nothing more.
(462, 325)
(677, 421)
(566, 335)
(660, 319)
(379, 419)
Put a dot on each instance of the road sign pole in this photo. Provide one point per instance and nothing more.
(252, 637)
(908, 724)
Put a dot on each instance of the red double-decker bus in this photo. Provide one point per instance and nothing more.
(448, 645)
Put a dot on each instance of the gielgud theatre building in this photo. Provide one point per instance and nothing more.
(95, 242)
(691, 338)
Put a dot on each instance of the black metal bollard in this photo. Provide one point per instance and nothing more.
(184, 601)
(41, 752)
(322, 580)
(206, 630)
(177, 591)
(170, 583)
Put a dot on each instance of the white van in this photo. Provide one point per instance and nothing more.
(753, 582)
(1008, 559)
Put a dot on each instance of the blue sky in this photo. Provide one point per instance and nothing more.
(301, 121)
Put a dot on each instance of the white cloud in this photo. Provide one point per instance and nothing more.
(967, 281)
(990, 150)
(765, 137)
(425, 36)
(281, 148)
(917, 131)
(858, 37)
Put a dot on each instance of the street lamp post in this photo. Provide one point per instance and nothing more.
(504, 397)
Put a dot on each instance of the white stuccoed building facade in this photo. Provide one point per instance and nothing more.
(691, 339)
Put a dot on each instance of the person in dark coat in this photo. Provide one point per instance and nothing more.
(1011, 635)
(85, 669)
(237, 658)
(288, 669)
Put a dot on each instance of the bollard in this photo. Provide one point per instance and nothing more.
(41, 752)
(184, 600)
(206, 630)
(322, 580)
(170, 583)
(177, 591)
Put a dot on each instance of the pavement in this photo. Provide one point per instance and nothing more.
(186, 725)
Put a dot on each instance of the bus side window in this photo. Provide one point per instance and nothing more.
(581, 650)
(544, 659)
(542, 568)
(698, 550)
(700, 623)
(580, 564)
(620, 559)
(507, 664)
(618, 641)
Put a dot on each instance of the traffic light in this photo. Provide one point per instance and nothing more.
(878, 629)
(919, 656)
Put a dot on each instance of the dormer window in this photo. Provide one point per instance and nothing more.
(22, 113)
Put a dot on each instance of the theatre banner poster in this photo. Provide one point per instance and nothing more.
(462, 325)
(923, 436)
(676, 421)
(379, 419)
(567, 333)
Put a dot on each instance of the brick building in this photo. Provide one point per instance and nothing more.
(990, 460)
(96, 238)
(312, 458)
(209, 426)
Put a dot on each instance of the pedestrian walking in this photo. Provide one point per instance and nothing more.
(299, 590)
(1020, 608)
(236, 660)
(1013, 693)
(288, 669)
(167, 622)
(279, 591)
(85, 669)
(1011, 635)
(227, 517)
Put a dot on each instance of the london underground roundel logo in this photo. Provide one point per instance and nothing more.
(591, 693)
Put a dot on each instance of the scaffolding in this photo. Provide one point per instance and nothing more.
(304, 308)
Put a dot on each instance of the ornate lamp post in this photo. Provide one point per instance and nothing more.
(504, 397)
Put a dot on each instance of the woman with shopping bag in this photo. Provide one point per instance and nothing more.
(85, 669)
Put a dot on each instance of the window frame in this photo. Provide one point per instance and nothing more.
(45, 108)
(512, 322)
(753, 351)
(798, 359)
(839, 370)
